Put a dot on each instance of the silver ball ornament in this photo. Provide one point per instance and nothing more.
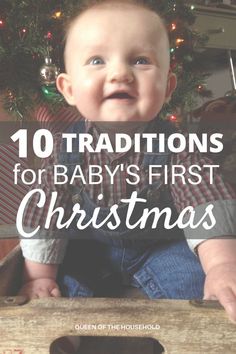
(48, 72)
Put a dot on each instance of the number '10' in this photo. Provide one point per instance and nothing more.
(42, 143)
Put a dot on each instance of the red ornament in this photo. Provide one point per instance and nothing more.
(2, 24)
(49, 35)
(173, 26)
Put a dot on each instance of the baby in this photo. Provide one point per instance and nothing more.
(118, 70)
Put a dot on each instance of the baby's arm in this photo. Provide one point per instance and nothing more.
(218, 258)
(39, 280)
(45, 251)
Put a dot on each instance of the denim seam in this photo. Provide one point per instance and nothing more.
(122, 260)
(144, 273)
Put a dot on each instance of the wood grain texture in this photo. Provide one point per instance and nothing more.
(6, 246)
(11, 272)
(183, 327)
(34, 325)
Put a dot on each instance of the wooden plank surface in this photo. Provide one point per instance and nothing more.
(11, 272)
(7, 246)
(182, 327)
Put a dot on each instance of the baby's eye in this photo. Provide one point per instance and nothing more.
(96, 61)
(142, 61)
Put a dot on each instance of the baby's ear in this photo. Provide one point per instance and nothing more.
(171, 85)
(65, 88)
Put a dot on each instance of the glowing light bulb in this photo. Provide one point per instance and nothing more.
(49, 35)
(173, 118)
(179, 40)
(57, 14)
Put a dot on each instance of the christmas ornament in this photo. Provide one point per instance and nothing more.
(49, 91)
(48, 72)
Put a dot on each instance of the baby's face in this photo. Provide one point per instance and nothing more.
(117, 61)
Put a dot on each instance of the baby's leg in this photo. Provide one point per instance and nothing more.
(84, 271)
(172, 271)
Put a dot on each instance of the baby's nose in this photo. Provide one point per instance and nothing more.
(121, 73)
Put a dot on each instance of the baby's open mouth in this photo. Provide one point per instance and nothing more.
(120, 95)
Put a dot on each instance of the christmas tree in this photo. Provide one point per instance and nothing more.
(31, 53)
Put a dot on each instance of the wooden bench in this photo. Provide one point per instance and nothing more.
(180, 326)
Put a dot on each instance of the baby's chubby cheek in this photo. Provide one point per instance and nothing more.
(88, 97)
(87, 87)
(85, 106)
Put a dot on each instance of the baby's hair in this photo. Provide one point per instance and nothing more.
(85, 5)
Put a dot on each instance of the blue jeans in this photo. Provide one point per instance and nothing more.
(167, 270)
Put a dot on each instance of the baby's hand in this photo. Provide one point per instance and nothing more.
(42, 287)
(220, 284)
